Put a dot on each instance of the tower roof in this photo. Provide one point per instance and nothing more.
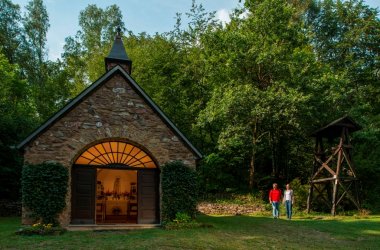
(334, 129)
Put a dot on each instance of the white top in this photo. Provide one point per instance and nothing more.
(288, 195)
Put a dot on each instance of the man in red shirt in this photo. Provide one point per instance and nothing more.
(275, 198)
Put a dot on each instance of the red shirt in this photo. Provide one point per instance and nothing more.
(275, 195)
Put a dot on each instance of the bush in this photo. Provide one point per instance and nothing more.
(182, 221)
(179, 191)
(182, 218)
(301, 193)
(44, 188)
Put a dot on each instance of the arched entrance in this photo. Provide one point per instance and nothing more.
(115, 182)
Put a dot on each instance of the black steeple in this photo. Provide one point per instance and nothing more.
(117, 55)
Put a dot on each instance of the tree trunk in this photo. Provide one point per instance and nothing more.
(252, 169)
(253, 155)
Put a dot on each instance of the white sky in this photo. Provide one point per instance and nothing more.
(150, 16)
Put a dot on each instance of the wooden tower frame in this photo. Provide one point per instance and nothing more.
(333, 172)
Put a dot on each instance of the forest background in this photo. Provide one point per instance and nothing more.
(247, 93)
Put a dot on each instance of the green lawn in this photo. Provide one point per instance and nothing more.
(228, 232)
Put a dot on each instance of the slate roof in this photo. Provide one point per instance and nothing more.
(118, 51)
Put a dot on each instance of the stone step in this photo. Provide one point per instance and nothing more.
(111, 227)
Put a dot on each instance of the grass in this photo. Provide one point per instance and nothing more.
(227, 232)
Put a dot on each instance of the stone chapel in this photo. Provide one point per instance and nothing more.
(113, 139)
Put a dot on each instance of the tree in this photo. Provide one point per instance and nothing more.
(257, 94)
(9, 29)
(84, 54)
(346, 38)
(33, 58)
(36, 25)
(16, 121)
(17, 112)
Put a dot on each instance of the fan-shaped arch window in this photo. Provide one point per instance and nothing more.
(116, 152)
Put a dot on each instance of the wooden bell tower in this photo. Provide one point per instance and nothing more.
(333, 176)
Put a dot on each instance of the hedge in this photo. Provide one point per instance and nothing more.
(44, 187)
(179, 190)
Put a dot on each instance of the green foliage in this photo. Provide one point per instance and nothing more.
(301, 192)
(179, 190)
(182, 218)
(181, 221)
(41, 229)
(17, 114)
(16, 120)
(9, 29)
(84, 54)
(44, 188)
(366, 159)
(247, 93)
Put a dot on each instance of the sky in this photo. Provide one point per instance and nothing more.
(149, 16)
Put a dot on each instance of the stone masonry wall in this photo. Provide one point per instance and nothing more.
(228, 209)
(114, 110)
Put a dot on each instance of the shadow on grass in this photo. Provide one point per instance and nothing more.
(227, 232)
(341, 227)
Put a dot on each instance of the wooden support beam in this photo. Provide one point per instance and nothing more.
(335, 190)
(349, 163)
(356, 203)
(323, 180)
(310, 198)
(324, 166)
(345, 192)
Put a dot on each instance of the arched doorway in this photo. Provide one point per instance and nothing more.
(115, 182)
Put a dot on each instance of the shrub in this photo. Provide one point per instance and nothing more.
(182, 218)
(44, 188)
(300, 194)
(179, 191)
(182, 221)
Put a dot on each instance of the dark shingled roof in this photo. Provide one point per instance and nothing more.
(334, 129)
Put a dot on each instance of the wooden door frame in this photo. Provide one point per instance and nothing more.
(157, 173)
(119, 167)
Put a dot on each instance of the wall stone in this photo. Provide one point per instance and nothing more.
(113, 111)
(228, 209)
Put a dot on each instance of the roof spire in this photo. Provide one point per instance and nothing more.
(118, 55)
(118, 30)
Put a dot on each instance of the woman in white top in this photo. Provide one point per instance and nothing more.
(289, 201)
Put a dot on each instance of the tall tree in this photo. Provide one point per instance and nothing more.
(16, 121)
(10, 29)
(34, 56)
(36, 25)
(258, 87)
(93, 41)
(346, 37)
